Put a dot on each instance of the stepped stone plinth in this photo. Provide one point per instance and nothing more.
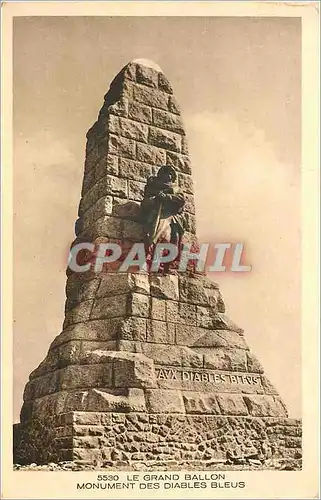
(148, 367)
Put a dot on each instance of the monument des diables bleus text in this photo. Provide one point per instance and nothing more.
(148, 368)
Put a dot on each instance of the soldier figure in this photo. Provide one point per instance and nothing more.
(161, 209)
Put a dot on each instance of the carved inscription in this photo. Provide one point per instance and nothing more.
(206, 376)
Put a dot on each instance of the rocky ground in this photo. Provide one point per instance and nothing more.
(272, 464)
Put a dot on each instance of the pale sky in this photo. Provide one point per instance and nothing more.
(237, 81)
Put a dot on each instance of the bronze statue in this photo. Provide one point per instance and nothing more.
(162, 209)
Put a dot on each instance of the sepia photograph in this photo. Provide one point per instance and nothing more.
(157, 252)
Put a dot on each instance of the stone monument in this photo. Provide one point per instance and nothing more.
(148, 368)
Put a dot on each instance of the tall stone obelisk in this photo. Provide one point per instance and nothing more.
(148, 367)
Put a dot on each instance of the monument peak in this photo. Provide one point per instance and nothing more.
(148, 63)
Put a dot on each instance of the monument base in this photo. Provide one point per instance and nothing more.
(127, 439)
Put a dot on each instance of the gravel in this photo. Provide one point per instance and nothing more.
(286, 464)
